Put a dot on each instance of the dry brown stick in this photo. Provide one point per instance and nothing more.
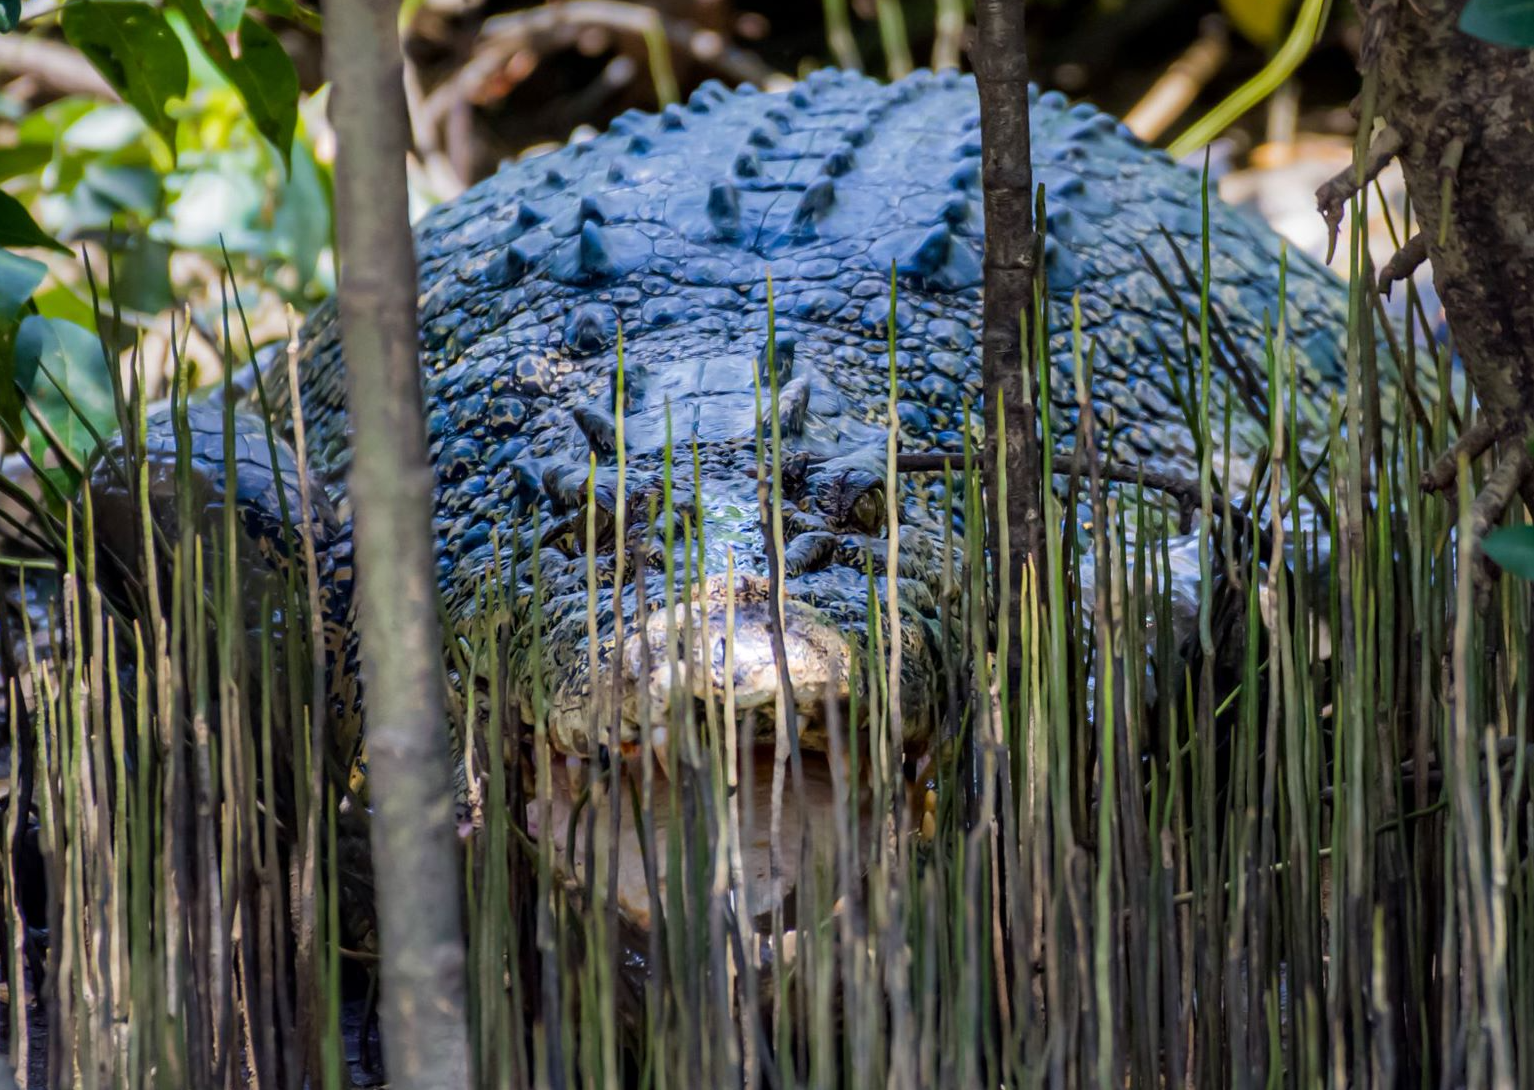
(1336, 192)
(1182, 489)
(1403, 262)
(1171, 95)
(1475, 441)
(53, 65)
(1504, 481)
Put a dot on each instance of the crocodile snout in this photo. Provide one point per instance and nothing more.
(730, 625)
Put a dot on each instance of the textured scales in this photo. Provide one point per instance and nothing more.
(669, 226)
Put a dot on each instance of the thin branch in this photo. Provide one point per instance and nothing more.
(409, 754)
(1403, 263)
(52, 65)
(1472, 443)
(1341, 187)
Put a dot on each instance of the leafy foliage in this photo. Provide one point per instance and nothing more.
(53, 356)
(1262, 22)
(262, 72)
(226, 14)
(1512, 549)
(19, 278)
(307, 18)
(18, 228)
(134, 46)
(135, 50)
(1501, 22)
(228, 174)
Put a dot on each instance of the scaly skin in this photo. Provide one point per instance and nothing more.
(669, 226)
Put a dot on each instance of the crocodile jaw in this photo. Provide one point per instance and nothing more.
(742, 670)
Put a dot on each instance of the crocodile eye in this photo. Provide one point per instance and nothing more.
(850, 498)
(868, 512)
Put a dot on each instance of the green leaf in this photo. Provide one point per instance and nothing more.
(10, 386)
(10, 15)
(134, 48)
(1501, 22)
(58, 301)
(302, 221)
(23, 159)
(18, 228)
(1262, 22)
(108, 128)
(49, 351)
(128, 189)
(19, 278)
(307, 18)
(43, 125)
(142, 275)
(263, 73)
(226, 14)
(1512, 549)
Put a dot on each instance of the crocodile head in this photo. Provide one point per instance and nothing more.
(702, 628)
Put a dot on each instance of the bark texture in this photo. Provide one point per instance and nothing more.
(1461, 112)
(414, 843)
(1001, 73)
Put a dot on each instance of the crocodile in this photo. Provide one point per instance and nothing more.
(719, 246)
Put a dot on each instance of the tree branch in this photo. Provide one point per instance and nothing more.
(409, 749)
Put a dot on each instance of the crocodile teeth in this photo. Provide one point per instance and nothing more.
(599, 428)
(724, 209)
(631, 378)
